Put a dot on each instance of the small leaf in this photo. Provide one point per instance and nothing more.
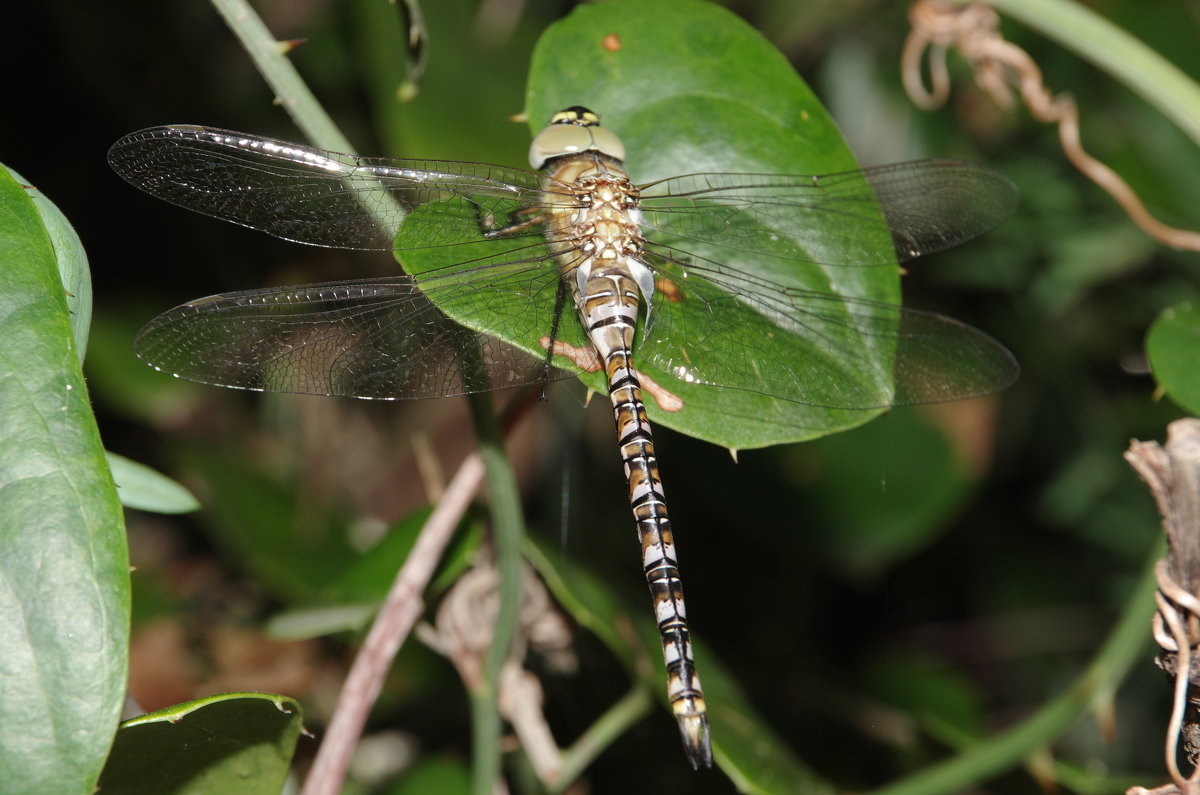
(141, 487)
(314, 622)
(352, 596)
(235, 742)
(1173, 346)
(64, 572)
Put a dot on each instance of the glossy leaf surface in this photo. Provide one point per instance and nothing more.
(64, 570)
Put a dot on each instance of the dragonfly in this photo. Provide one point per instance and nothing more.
(692, 277)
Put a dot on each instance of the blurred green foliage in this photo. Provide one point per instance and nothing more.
(882, 597)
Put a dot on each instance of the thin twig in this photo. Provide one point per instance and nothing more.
(416, 57)
(938, 25)
(396, 618)
(462, 632)
(294, 96)
(403, 604)
(616, 720)
(508, 528)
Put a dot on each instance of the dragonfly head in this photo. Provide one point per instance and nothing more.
(571, 132)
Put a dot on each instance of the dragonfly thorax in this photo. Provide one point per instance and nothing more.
(597, 225)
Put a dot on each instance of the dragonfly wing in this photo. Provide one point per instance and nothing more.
(939, 359)
(370, 339)
(924, 206)
(713, 325)
(933, 205)
(315, 196)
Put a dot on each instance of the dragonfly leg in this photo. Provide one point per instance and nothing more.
(587, 360)
(666, 400)
(492, 230)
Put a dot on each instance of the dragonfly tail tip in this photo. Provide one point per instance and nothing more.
(696, 742)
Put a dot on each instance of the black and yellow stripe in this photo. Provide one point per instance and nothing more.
(608, 309)
(593, 229)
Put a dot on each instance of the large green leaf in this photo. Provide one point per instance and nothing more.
(689, 87)
(64, 571)
(231, 743)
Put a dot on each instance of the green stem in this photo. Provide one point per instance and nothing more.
(294, 96)
(615, 721)
(290, 89)
(1125, 644)
(507, 532)
(1098, 41)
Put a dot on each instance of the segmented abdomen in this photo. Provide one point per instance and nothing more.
(608, 309)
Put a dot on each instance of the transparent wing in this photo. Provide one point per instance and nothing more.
(740, 304)
(381, 338)
(315, 196)
(386, 339)
(714, 325)
(373, 339)
(751, 270)
(927, 206)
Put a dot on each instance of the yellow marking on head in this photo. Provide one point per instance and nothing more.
(576, 114)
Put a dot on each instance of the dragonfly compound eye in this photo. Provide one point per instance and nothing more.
(567, 138)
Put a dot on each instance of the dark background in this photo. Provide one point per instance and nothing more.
(953, 567)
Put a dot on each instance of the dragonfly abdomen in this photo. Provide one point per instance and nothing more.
(608, 308)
